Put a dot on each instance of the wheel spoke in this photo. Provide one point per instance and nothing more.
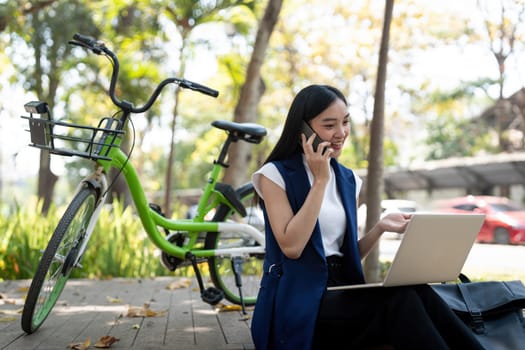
(59, 258)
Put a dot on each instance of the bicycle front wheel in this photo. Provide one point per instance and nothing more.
(58, 259)
(251, 266)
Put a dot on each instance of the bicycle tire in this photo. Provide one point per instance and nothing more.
(220, 267)
(57, 260)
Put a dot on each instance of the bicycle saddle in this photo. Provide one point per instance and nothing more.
(249, 132)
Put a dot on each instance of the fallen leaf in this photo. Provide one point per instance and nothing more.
(135, 326)
(106, 341)
(144, 311)
(245, 318)
(8, 319)
(114, 300)
(23, 289)
(4, 299)
(11, 312)
(80, 346)
(224, 308)
(182, 283)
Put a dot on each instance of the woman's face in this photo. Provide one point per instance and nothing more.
(333, 125)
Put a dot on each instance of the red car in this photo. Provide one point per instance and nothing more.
(504, 220)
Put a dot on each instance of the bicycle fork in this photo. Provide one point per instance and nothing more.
(97, 180)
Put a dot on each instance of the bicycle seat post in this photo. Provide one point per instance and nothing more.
(224, 152)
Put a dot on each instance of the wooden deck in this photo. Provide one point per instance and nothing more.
(160, 313)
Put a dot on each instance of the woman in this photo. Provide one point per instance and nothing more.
(309, 201)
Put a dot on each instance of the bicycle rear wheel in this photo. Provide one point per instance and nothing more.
(221, 269)
(58, 259)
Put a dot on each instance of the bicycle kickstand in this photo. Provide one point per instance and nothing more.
(210, 295)
(237, 271)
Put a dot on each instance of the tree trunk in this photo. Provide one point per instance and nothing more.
(171, 159)
(375, 157)
(252, 90)
(171, 156)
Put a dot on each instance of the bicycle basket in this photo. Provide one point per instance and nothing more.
(69, 139)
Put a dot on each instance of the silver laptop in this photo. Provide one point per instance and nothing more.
(433, 248)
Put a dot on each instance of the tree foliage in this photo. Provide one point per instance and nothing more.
(252, 90)
(329, 41)
(449, 137)
(186, 15)
(42, 33)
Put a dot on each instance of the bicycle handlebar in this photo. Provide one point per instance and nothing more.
(99, 48)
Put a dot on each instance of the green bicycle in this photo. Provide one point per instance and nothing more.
(232, 242)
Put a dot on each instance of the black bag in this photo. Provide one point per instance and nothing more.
(494, 310)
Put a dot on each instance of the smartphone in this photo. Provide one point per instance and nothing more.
(307, 130)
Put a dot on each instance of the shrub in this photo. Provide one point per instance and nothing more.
(119, 247)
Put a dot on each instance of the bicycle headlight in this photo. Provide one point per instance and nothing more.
(36, 107)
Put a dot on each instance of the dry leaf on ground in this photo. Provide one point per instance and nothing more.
(80, 346)
(4, 299)
(144, 311)
(11, 312)
(182, 283)
(223, 307)
(106, 342)
(114, 300)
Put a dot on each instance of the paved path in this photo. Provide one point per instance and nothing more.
(91, 309)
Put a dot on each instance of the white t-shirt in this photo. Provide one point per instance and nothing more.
(332, 218)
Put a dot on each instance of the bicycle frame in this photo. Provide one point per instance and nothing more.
(152, 220)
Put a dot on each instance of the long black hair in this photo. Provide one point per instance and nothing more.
(306, 105)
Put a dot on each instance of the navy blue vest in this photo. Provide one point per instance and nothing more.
(291, 289)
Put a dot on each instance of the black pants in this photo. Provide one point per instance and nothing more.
(409, 317)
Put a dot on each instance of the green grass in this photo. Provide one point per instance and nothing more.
(118, 247)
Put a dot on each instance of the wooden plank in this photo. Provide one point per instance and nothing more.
(100, 304)
(11, 304)
(180, 328)
(207, 329)
(136, 293)
(236, 327)
(87, 309)
(153, 329)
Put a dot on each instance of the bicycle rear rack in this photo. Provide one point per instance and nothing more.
(69, 139)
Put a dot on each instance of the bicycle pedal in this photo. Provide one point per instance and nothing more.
(212, 295)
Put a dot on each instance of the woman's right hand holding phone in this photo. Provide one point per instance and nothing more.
(318, 159)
